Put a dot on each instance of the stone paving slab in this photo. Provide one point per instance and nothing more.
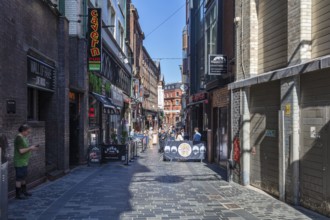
(150, 189)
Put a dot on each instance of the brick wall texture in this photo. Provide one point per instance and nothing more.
(33, 27)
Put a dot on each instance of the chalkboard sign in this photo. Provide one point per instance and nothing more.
(113, 152)
(94, 155)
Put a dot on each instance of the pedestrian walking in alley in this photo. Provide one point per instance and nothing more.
(22, 154)
(197, 135)
(162, 140)
(184, 135)
(151, 133)
(178, 136)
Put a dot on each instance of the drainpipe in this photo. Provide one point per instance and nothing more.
(246, 149)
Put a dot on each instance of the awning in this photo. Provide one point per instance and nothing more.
(196, 103)
(109, 108)
(118, 110)
(115, 109)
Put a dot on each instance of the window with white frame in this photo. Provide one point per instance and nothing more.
(121, 4)
(112, 19)
(121, 40)
(211, 33)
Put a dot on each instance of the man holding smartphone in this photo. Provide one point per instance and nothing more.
(22, 154)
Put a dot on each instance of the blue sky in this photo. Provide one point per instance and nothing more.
(166, 41)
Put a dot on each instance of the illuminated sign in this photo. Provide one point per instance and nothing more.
(94, 39)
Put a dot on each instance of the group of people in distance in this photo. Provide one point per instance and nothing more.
(175, 135)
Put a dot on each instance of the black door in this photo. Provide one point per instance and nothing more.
(74, 134)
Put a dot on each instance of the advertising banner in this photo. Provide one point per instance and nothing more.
(184, 150)
(94, 48)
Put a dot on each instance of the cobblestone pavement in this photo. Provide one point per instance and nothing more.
(150, 189)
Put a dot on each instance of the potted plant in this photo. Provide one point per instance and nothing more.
(114, 138)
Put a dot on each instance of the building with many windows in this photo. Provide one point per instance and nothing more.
(150, 73)
(208, 39)
(172, 104)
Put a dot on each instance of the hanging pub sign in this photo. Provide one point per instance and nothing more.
(40, 75)
(94, 39)
(217, 64)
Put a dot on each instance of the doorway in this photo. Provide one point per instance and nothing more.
(74, 129)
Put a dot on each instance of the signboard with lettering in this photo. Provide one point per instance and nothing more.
(117, 96)
(217, 64)
(94, 48)
(94, 155)
(113, 152)
(184, 150)
(40, 75)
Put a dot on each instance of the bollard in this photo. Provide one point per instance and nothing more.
(126, 155)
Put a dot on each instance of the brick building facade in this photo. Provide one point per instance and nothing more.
(279, 105)
(34, 78)
(172, 104)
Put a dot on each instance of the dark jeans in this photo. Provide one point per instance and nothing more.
(21, 173)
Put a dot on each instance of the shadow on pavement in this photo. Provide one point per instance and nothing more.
(87, 192)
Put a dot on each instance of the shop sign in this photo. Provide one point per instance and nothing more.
(117, 96)
(40, 75)
(136, 88)
(217, 64)
(94, 155)
(11, 107)
(199, 97)
(114, 152)
(94, 39)
(288, 109)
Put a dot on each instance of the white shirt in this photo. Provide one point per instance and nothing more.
(179, 138)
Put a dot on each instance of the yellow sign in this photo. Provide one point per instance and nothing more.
(288, 109)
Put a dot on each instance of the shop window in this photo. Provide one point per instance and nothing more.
(33, 105)
(177, 119)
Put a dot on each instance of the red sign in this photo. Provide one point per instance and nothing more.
(91, 112)
(199, 97)
(94, 39)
